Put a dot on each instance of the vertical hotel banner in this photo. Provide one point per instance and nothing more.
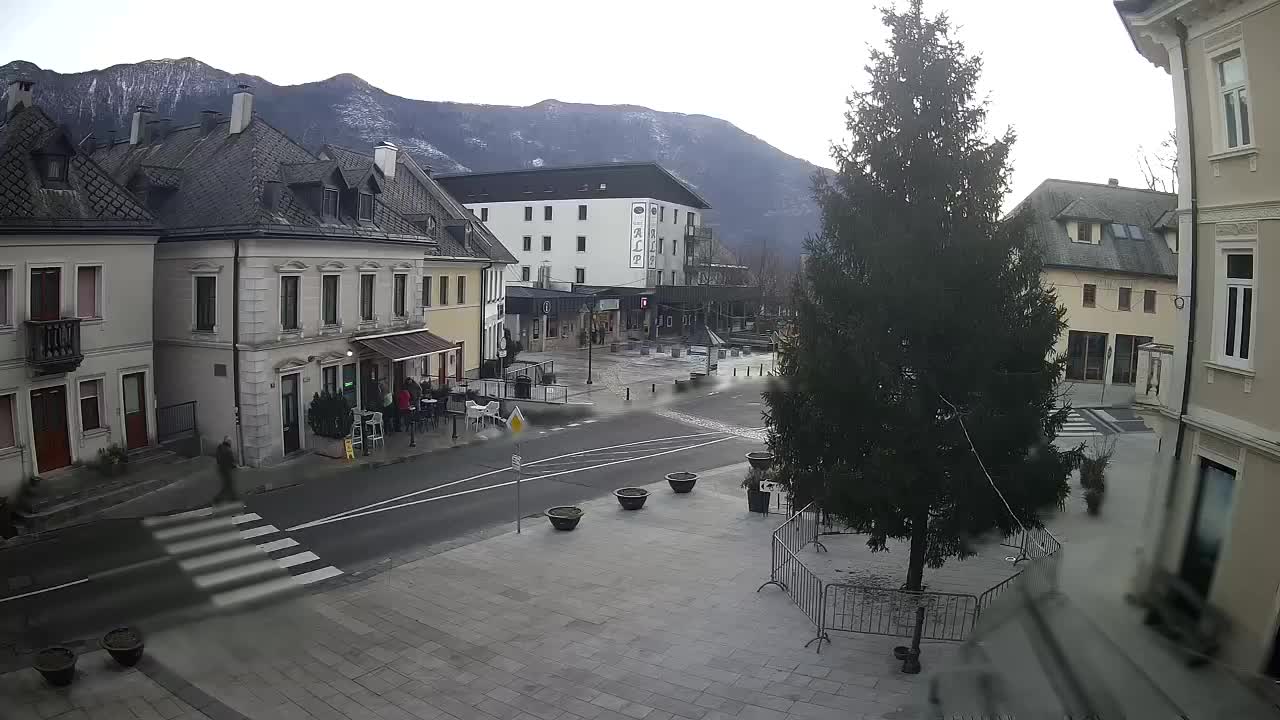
(653, 235)
(639, 233)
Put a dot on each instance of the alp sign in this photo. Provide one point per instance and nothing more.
(639, 233)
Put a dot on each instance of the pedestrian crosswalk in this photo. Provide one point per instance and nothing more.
(1077, 427)
(236, 557)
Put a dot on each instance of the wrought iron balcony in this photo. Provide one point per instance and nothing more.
(53, 346)
(697, 232)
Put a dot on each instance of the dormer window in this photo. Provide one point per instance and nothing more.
(366, 207)
(329, 208)
(55, 168)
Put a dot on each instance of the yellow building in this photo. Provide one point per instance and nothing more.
(1110, 254)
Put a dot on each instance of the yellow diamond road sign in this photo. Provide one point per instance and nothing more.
(516, 422)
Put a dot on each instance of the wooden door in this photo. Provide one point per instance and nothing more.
(134, 386)
(49, 425)
(289, 413)
(46, 293)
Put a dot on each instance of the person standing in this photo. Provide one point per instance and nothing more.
(404, 407)
(226, 459)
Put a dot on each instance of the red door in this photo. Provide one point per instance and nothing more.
(49, 424)
(135, 410)
(46, 293)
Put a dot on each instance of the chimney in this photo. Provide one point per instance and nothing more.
(19, 94)
(384, 156)
(1113, 182)
(271, 194)
(111, 138)
(241, 110)
(208, 121)
(160, 129)
(139, 129)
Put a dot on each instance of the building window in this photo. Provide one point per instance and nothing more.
(546, 212)
(8, 436)
(661, 242)
(329, 300)
(1235, 100)
(399, 291)
(1125, 363)
(426, 291)
(1126, 297)
(528, 213)
(1209, 525)
(675, 216)
(1238, 318)
(55, 168)
(579, 275)
(527, 243)
(524, 273)
(546, 243)
(582, 212)
(330, 207)
(484, 214)
(88, 292)
(462, 289)
(349, 384)
(329, 379)
(1086, 355)
(366, 207)
(1090, 295)
(367, 283)
(444, 289)
(289, 302)
(673, 245)
(91, 405)
(1149, 301)
(1084, 233)
(689, 218)
(206, 303)
(6, 297)
(582, 243)
(662, 213)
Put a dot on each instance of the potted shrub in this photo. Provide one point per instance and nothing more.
(682, 482)
(631, 498)
(1093, 501)
(329, 416)
(1093, 470)
(57, 665)
(757, 500)
(760, 460)
(564, 517)
(113, 460)
(125, 645)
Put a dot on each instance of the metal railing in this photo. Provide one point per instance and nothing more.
(885, 611)
(793, 576)
(174, 421)
(507, 390)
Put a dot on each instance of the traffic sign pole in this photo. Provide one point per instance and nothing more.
(516, 424)
(519, 474)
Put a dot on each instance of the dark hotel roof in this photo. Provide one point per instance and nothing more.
(576, 182)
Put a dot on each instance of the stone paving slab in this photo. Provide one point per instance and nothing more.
(102, 690)
(650, 615)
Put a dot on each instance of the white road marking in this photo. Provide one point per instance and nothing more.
(195, 528)
(235, 574)
(492, 472)
(45, 590)
(204, 543)
(162, 520)
(217, 558)
(354, 515)
(247, 517)
(573, 424)
(323, 573)
(259, 531)
(277, 545)
(250, 593)
(302, 557)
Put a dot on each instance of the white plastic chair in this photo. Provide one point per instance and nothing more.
(475, 414)
(357, 434)
(375, 431)
(491, 412)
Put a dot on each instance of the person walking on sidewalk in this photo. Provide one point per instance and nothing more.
(226, 471)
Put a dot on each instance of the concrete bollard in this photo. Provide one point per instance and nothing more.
(735, 372)
(748, 371)
(653, 388)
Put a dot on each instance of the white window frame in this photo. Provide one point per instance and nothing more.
(337, 301)
(360, 199)
(10, 323)
(1119, 295)
(62, 286)
(1218, 119)
(336, 366)
(580, 275)
(98, 290)
(581, 243)
(526, 273)
(195, 303)
(280, 303)
(103, 425)
(13, 422)
(373, 299)
(1221, 283)
(407, 303)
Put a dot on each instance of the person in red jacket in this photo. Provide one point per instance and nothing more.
(404, 407)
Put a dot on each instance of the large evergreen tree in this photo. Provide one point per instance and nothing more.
(919, 310)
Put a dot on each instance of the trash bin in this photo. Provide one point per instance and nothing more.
(524, 387)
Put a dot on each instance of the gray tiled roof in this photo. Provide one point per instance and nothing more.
(1127, 206)
(90, 198)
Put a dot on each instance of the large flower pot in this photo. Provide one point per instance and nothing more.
(631, 498)
(565, 517)
(757, 501)
(57, 665)
(682, 482)
(760, 460)
(676, 351)
(125, 645)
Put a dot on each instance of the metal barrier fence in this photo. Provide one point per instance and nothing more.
(506, 390)
(884, 611)
(174, 421)
(793, 576)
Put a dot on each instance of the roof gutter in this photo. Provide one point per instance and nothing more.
(235, 344)
(1195, 236)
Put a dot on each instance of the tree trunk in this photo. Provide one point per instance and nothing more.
(919, 546)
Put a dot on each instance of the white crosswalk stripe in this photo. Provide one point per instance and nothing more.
(237, 557)
(1077, 427)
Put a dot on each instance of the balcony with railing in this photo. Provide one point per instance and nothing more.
(697, 232)
(1154, 380)
(53, 346)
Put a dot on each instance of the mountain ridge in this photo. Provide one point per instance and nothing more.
(758, 191)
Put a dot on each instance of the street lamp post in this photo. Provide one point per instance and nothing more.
(590, 309)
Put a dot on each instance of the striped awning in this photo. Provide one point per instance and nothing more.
(406, 345)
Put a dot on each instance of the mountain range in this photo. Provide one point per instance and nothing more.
(758, 192)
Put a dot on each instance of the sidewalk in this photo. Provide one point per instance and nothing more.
(648, 615)
(1097, 395)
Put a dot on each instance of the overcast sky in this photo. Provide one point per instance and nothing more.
(1064, 74)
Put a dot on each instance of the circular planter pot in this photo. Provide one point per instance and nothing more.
(565, 517)
(125, 645)
(682, 482)
(613, 347)
(757, 501)
(57, 665)
(721, 353)
(760, 460)
(631, 498)
(676, 352)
